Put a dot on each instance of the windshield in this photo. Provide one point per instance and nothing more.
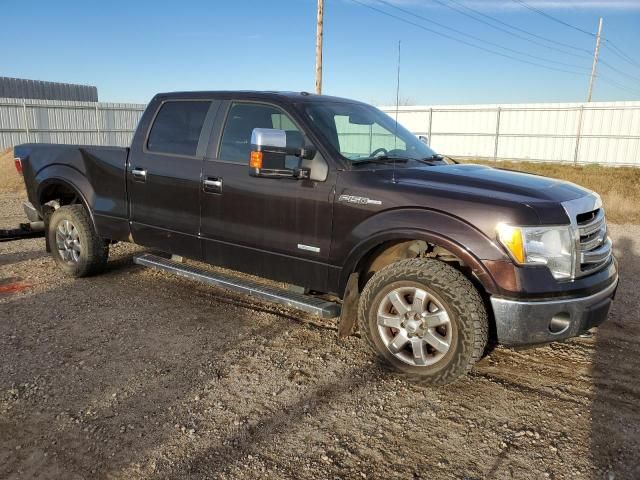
(361, 132)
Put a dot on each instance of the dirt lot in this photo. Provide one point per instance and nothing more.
(138, 374)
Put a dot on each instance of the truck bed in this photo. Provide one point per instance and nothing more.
(96, 174)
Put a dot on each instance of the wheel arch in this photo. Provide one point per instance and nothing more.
(387, 247)
(65, 185)
(60, 182)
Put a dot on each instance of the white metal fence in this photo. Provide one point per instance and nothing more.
(600, 132)
(54, 121)
(582, 133)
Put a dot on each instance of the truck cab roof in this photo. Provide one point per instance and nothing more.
(282, 96)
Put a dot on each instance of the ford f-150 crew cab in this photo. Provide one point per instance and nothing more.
(432, 260)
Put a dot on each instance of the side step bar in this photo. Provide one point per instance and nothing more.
(26, 230)
(306, 303)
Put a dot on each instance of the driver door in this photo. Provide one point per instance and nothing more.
(278, 228)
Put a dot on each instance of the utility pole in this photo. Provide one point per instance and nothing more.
(319, 47)
(595, 61)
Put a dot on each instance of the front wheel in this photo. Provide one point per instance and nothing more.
(425, 319)
(75, 245)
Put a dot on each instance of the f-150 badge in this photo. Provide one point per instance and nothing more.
(358, 200)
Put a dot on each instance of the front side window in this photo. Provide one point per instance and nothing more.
(242, 119)
(360, 132)
(177, 127)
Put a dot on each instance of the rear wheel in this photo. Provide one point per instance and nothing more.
(75, 245)
(425, 319)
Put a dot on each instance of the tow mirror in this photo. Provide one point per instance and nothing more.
(270, 148)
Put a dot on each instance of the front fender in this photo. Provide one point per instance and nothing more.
(451, 233)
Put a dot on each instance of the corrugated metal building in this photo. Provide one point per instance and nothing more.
(39, 90)
(599, 132)
(55, 121)
(583, 133)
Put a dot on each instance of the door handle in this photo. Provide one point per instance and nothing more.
(139, 174)
(212, 185)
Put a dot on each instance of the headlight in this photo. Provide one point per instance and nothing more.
(550, 246)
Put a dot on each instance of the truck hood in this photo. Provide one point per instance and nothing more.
(484, 196)
(492, 182)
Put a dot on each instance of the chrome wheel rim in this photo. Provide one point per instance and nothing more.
(414, 326)
(68, 242)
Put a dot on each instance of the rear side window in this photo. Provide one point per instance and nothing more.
(177, 127)
(242, 119)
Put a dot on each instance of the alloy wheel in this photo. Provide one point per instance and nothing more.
(414, 326)
(68, 241)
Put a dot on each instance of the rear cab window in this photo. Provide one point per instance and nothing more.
(177, 127)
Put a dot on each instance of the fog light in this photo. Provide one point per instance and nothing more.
(560, 323)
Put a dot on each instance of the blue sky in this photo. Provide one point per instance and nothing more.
(133, 49)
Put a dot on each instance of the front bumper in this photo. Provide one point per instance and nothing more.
(529, 322)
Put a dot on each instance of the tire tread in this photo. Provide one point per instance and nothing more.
(459, 293)
(97, 250)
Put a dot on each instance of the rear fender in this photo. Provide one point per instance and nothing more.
(70, 178)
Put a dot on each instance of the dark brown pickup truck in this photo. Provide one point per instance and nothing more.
(434, 260)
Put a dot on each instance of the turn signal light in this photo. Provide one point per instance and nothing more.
(256, 160)
(511, 237)
(18, 163)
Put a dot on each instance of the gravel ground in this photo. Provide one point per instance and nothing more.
(139, 374)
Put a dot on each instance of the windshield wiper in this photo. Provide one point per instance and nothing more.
(380, 159)
(434, 160)
(431, 161)
(437, 159)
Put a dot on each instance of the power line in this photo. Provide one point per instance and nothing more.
(617, 70)
(464, 42)
(450, 37)
(586, 54)
(617, 51)
(608, 43)
(468, 35)
(618, 85)
(583, 51)
(551, 17)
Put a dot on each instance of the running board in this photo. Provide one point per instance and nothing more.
(306, 303)
(26, 230)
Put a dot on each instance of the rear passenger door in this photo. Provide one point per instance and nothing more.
(163, 177)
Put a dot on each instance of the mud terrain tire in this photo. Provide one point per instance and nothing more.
(74, 242)
(465, 321)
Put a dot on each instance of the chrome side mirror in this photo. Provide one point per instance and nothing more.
(269, 150)
(269, 138)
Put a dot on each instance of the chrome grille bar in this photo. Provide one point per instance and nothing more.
(599, 255)
(592, 243)
(594, 225)
(593, 247)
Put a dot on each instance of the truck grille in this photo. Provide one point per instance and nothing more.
(593, 243)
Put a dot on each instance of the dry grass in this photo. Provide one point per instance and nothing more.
(10, 181)
(619, 187)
